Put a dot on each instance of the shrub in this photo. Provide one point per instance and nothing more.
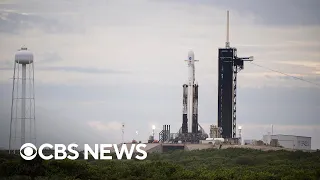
(229, 163)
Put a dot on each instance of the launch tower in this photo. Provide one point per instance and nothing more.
(229, 65)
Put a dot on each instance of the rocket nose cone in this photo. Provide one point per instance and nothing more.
(190, 55)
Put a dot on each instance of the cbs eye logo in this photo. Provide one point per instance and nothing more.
(28, 151)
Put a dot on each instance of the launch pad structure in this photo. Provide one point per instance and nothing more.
(229, 65)
(190, 131)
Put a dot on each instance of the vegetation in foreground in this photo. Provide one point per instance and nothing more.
(203, 164)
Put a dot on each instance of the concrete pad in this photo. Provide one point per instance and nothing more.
(190, 147)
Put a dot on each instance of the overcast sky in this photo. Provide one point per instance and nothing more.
(100, 63)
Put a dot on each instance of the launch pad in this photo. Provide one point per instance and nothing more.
(229, 65)
(193, 137)
(190, 131)
(180, 137)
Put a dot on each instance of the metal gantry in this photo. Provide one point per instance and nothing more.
(229, 65)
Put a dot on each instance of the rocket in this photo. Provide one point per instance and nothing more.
(190, 99)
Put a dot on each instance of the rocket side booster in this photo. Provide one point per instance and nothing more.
(195, 109)
(185, 109)
(190, 99)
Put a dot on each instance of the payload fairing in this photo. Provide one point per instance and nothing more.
(190, 99)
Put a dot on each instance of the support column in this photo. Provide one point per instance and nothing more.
(23, 105)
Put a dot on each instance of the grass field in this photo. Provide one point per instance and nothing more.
(232, 163)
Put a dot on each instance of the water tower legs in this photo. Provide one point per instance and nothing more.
(23, 105)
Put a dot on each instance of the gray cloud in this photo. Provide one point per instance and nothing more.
(272, 12)
(80, 69)
(6, 64)
(16, 23)
(287, 106)
(40, 6)
(49, 57)
(307, 79)
(74, 16)
(74, 69)
(315, 80)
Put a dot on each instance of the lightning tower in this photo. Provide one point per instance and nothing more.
(23, 101)
(229, 65)
(122, 137)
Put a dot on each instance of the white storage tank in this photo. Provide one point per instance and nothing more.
(24, 56)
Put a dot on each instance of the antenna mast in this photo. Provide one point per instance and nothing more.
(122, 133)
(227, 42)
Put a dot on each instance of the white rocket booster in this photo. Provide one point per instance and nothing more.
(191, 83)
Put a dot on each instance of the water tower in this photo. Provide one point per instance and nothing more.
(22, 123)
